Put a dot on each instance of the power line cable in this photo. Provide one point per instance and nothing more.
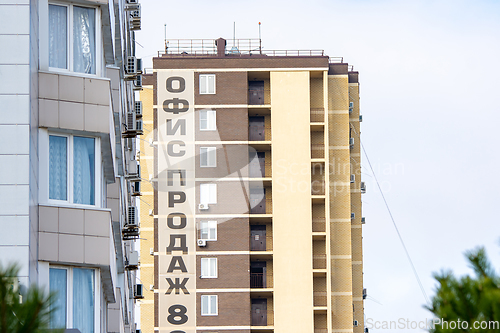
(392, 219)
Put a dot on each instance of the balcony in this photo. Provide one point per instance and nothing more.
(319, 224)
(319, 261)
(317, 151)
(79, 236)
(317, 115)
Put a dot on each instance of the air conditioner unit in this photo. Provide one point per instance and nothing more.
(353, 216)
(151, 251)
(131, 144)
(151, 213)
(135, 17)
(133, 170)
(138, 127)
(138, 109)
(131, 122)
(365, 294)
(353, 178)
(136, 13)
(136, 188)
(351, 107)
(355, 323)
(139, 66)
(362, 187)
(351, 143)
(363, 221)
(202, 242)
(131, 67)
(138, 291)
(360, 119)
(138, 82)
(133, 217)
(203, 206)
(133, 260)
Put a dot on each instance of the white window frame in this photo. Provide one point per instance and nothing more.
(205, 84)
(211, 154)
(69, 295)
(45, 170)
(211, 189)
(206, 266)
(69, 41)
(207, 228)
(211, 312)
(211, 120)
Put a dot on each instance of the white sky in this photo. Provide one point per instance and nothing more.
(430, 101)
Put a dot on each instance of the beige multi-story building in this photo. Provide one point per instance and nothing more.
(253, 213)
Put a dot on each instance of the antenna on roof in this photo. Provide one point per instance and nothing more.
(234, 49)
(166, 38)
(260, 41)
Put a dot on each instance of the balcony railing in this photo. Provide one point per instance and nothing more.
(318, 151)
(318, 224)
(257, 280)
(317, 115)
(320, 298)
(235, 47)
(319, 261)
(318, 187)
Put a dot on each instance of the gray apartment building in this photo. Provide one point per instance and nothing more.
(68, 174)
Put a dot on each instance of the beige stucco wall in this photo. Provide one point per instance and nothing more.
(292, 239)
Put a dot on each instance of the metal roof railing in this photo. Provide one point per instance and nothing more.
(235, 47)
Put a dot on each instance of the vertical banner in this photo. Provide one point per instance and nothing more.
(176, 201)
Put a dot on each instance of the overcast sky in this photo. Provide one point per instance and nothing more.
(430, 101)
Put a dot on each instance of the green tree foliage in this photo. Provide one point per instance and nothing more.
(469, 299)
(21, 310)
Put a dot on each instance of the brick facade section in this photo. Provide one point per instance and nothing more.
(232, 125)
(232, 235)
(249, 62)
(230, 88)
(232, 161)
(232, 272)
(233, 310)
(232, 198)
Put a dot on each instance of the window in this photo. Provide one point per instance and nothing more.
(207, 83)
(72, 38)
(209, 305)
(208, 156)
(72, 169)
(74, 306)
(208, 230)
(207, 120)
(209, 268)
(208, 193)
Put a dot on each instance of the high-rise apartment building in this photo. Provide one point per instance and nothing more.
(253, 212)
(68, 169)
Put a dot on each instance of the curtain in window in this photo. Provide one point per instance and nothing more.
(83, 299)
(58, 283)
(83, 170)
(213, 304)
(84, 40)
(58, 36)
(58, 169)
(204, 305)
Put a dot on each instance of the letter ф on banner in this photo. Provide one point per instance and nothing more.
(176, 310)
